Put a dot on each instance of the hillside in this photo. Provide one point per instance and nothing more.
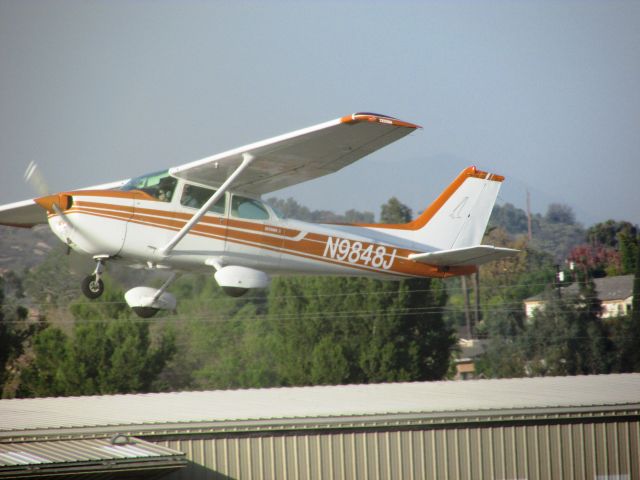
(22, 248)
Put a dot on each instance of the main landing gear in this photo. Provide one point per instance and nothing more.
(92, 285)
(144, 301)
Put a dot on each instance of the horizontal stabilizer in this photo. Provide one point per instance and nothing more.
(477, 255)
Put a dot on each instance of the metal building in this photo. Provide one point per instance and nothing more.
(538, 428)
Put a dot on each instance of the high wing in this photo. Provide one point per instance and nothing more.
(28, 213)
(298, 156)
(478, 255)
(25, 214)
(276, 163)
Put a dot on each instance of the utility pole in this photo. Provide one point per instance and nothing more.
(559, 280)
(465, 293)
(529, 233)
(476, 292)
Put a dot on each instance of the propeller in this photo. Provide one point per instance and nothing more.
(33, 176)
(36, 180)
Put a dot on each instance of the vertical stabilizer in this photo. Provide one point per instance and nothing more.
(458, 217)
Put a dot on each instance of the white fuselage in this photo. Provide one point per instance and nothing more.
(161, 221)
(133, 227)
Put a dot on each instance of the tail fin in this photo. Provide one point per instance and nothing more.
(458, 217)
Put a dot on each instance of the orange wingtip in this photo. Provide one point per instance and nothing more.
(377, 118)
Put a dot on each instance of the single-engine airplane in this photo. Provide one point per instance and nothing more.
(208, 215)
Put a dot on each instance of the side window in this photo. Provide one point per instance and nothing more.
(166, 186)
(243, 207)
(195, 197)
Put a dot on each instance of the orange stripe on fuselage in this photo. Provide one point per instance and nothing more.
(311, 246)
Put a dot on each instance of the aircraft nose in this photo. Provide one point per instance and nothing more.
(63, 200)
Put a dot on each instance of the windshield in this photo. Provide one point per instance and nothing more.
(159, 185)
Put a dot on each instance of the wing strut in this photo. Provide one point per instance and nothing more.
(247, 158)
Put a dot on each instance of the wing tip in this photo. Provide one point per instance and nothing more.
(377, 118)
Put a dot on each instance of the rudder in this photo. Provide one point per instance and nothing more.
(458, 217)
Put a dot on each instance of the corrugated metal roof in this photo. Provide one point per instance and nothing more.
(55, 451)
(87, 456)
(22, 415)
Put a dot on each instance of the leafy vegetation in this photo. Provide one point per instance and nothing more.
(568, 336)
(324, 330)
(107, 352)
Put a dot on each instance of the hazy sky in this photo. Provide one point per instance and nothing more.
(546, 93)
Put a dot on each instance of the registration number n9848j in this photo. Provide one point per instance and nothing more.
(343, 249)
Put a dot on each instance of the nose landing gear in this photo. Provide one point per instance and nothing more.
(92, 285)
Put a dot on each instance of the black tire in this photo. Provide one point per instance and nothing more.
(91, 287)
(145, 312)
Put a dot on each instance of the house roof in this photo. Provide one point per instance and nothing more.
(607, 288)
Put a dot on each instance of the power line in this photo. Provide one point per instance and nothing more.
(269, 297)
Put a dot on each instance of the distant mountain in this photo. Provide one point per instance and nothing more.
(22, 248)
(556, 232)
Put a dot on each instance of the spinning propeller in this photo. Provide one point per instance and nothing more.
(36, 180)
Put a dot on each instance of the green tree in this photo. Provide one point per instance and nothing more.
(568, 337)
(635, 306)
(106, 353)
(45, 376)
(351, 330)
(510, 218)
(629, 247)
(394, 211)
(222, 342)
(292, 209)
(556, 238)
(355, 216)
(16, 331)
(611, 244)
(411, 342)
(629, 331)
(341, 330)
(608, 233)
(559, 213)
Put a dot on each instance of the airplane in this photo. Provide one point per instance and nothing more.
(208, 216)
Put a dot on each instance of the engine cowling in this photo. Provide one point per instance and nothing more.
(236, 280)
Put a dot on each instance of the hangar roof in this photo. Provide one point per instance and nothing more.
(88, 458)
(147, 411)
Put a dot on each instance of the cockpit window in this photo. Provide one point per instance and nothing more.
(196, 197)
(159, 185)
(243, 207)
(279, 213)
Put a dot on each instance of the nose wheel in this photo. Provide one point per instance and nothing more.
(92, 285)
